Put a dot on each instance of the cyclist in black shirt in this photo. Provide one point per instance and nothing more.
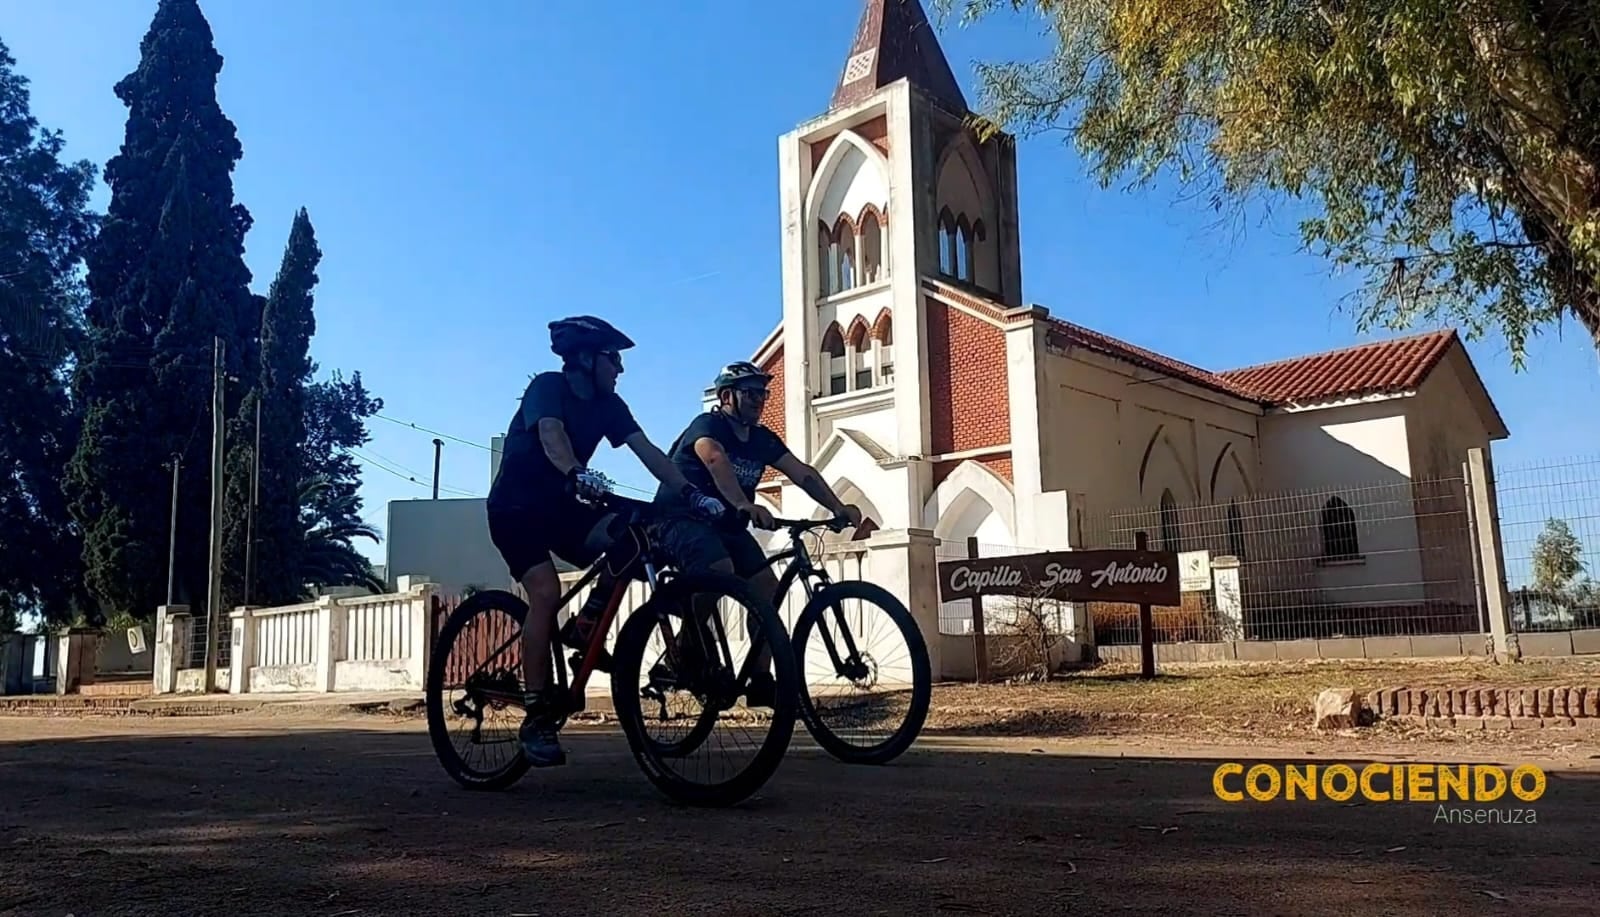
(723, 453)
(533, 507)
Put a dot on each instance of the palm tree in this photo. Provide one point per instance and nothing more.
(329, 558)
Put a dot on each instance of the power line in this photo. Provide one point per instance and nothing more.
(369, 460)
(422, 429)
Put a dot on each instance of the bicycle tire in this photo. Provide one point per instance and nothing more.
(438, 731)
(921, 673)
(628, 660)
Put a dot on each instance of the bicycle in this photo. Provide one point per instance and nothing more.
(858, 665)
(701, 666)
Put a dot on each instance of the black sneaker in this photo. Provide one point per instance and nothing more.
(575, 636)
(540, 740)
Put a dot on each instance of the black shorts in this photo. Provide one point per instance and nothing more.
(527, 535)
(695, 546)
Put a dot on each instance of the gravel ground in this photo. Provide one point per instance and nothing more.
(342, 816)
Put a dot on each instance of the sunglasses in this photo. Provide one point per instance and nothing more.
(613, 356)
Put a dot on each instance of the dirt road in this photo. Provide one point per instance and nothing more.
(264, 815)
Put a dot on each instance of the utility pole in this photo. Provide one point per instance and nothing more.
(214, 592)
(250, 513)
(438, 447)
(172, 531)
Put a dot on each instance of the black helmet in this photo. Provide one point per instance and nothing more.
(585, 333)
(741, 375)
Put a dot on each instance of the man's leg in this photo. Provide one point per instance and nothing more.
(538, 733)
(747, 560)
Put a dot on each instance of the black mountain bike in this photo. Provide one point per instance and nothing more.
(700, 666)
(857, 663)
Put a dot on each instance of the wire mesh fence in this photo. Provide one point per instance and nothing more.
(1382, 559)
(1550, 535)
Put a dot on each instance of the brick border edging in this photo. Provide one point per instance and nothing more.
(1561, 704)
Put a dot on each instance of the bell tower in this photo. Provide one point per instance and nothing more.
(887, 191)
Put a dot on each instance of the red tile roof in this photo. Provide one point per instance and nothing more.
(1063, 333)
(1381, 367)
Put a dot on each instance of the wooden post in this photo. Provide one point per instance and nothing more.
(1147, 647)
(980, 642)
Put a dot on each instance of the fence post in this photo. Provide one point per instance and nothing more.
(1147, 646)
(1486, 524)
(244, 649)
(330, 641)
(419, 630)
(980, 640)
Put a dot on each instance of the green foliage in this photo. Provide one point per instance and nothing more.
(287, 325)
(166, 277)
(329, 557)
(45, 226)
(1449, 151)
(1557, 557)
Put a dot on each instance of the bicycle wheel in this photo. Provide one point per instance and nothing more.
(488, 622)
(854, 658)
(716, 683)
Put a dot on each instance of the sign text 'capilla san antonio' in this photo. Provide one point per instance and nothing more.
(1233, 782)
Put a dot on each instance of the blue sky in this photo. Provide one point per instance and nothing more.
(474, 170)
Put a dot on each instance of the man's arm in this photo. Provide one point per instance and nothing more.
(557, 446)
(656, 461)
(809, 481)
(716, 461)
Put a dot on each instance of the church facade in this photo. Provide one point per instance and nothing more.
(910, 371)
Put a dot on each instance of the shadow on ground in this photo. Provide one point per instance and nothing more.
(362, 821)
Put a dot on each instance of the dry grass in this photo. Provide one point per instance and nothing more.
(1234, 698)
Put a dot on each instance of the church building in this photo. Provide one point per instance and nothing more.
(910, 371)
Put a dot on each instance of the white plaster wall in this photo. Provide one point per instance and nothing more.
(1361, 453)
(446, 541)
(1103, 415)
(878, 420)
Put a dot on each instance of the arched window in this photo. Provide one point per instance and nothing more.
(963, 249)
(871, 246)
(844, 240)
(1339, 539)
(860, 353)
(1235, 531)
(947, 243)
(883, 333)
(833, 360)
(827, 262)
(1169, 522)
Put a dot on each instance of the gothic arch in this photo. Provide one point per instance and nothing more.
(969, 491)
(822, 179)
(883, 327)
(1159, 452)
(857, 335)
(1226, 467)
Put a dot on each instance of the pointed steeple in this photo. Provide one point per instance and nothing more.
(896, 40)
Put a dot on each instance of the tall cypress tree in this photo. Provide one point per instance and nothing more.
(287, 325)
(166, 277)
(45, 226)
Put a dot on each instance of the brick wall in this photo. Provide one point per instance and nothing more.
(772, 415)
(999, 463)
(968, 399)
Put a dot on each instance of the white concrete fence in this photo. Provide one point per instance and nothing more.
(348, 643)
(382, 642)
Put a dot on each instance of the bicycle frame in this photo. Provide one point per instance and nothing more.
(804, 569)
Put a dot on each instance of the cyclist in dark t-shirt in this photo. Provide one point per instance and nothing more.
(723, 453)
(533, 504)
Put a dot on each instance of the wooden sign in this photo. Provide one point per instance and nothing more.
(1131, 577)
